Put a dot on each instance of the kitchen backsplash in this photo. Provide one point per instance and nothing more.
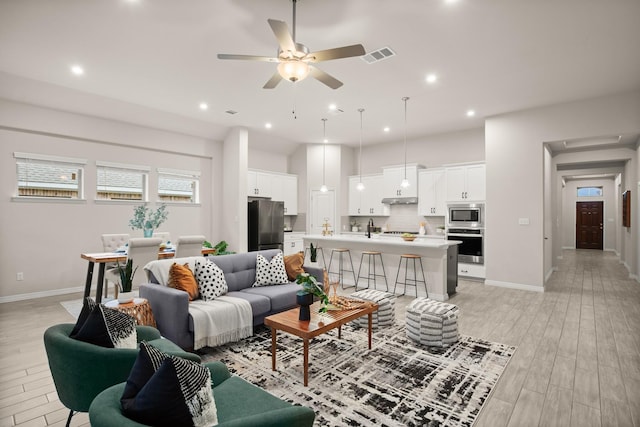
(402, 218)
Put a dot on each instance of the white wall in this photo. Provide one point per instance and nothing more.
(234, 207)
(44, 240)
(513, 146)
(268, 161)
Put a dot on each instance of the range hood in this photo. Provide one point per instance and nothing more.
(400, 200)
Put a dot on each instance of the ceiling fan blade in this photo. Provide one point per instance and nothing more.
(281, 31)
(337, 53)
(273, 81)
(247, 57)
(325, 78)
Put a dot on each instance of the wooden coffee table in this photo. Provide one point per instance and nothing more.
(287, 321)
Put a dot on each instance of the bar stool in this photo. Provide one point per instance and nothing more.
(317, 248)
(415, 281)
(371, 258)
(341, 253)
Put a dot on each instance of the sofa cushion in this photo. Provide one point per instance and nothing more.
(281, 297)
(293, 264)
(260, 304)
(157, 271)
(270, 272)
(211, 281)
(181, 278)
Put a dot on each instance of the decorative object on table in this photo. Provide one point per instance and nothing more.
(355, 227)
(422, 230)
(139, 309)
(326, 228)
(314, 253)
(440, 229)
(219, 249)
(146, 219)
(304, 297)
(408, 237)
(125, 284)
(418, 385)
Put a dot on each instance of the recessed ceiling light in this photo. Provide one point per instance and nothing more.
(386, 129)
(77, 70)
(267, 125)
(431, 78)
(325, 140)
(471, 113)
(204, 106)
(332, 107)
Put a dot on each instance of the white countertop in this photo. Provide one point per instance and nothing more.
(387, 240)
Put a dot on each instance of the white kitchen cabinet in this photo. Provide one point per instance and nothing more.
(293, 243)
(367, 202)
(393, 176)
(285, 188)
(259, 184)
(466, 183)
(476, 271)
(431, 192)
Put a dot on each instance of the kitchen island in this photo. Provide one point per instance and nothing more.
(439, 258)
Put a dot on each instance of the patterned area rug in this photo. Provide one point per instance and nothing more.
(396, 383)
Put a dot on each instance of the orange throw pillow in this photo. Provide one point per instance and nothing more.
(293, 264)
(181, 277)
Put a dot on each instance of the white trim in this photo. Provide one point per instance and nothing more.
(139, 168)
(47, 158)
(31, 199)
(549, 273)
(34, 295)
(178, 172)
(511, 285)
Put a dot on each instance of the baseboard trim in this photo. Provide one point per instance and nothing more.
(35, 295)
(511, 285)
(549, 273)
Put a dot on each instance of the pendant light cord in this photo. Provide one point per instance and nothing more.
(405, 99)
(361, 110)
(324, 149)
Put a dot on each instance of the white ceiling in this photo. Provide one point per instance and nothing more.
(153, 62)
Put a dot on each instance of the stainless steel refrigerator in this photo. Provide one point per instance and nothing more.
(266, 225)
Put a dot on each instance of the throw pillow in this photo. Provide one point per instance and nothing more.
(109, 328)
(270, 272)
(181, 277)
(164, 390)
(87, 307)
(293, 264)
(211, 281)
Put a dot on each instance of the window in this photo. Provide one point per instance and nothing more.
(122, 182)
(589, 191)
(178, 186)
(54, 177)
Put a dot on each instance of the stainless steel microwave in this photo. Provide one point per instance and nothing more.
(466, 215)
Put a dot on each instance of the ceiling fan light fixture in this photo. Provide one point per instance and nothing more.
(293, 70)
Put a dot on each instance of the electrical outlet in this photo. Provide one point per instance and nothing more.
(20, 276)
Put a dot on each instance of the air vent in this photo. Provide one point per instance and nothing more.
(378, 55)
(232, 112)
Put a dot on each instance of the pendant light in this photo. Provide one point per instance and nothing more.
(324, 188)
(405, 181)
(360, 185)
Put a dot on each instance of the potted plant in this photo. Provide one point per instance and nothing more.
(146, 219)
(126, 274)
(304, 297)
(314, 253)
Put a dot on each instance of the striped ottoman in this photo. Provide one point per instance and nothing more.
(432, 323)
(386, 313)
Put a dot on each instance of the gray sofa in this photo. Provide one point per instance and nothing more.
(171, 306)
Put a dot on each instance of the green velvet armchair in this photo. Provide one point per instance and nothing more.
(239, 404)
(81, 370)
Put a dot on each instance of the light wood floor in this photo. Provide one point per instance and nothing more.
(577, 363)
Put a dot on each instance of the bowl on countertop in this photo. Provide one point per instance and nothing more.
(408, 238)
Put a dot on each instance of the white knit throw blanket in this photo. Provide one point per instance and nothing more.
(225, 319)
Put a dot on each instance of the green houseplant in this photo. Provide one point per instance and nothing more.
(126, 274)
(146, 219)
(304, 296)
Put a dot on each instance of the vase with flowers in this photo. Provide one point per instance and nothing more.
(304, 297)
(147, 219)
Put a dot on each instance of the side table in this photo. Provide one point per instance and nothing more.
(139, 308)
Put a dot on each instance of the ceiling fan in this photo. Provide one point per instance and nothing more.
(294, 59)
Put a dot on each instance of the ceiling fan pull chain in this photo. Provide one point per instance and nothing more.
(295, 116)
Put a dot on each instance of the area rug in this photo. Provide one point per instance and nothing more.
(74, 307)
(396, 383)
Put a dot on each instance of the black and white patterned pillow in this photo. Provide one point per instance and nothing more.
(109, 328)
(270, 273)
(211, 281)
(165, 390)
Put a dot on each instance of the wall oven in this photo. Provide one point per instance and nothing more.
(469, 215)
(471, 250)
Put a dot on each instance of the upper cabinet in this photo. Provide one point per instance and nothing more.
(367, 202)
(432, 192)
(393, 176)
(279, 187)
(466, 183)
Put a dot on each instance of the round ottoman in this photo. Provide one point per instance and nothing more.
(432, 323)
(386, 313)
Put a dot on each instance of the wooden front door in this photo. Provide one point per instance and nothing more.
(589, 225)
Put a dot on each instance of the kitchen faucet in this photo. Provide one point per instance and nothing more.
(369, 227)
